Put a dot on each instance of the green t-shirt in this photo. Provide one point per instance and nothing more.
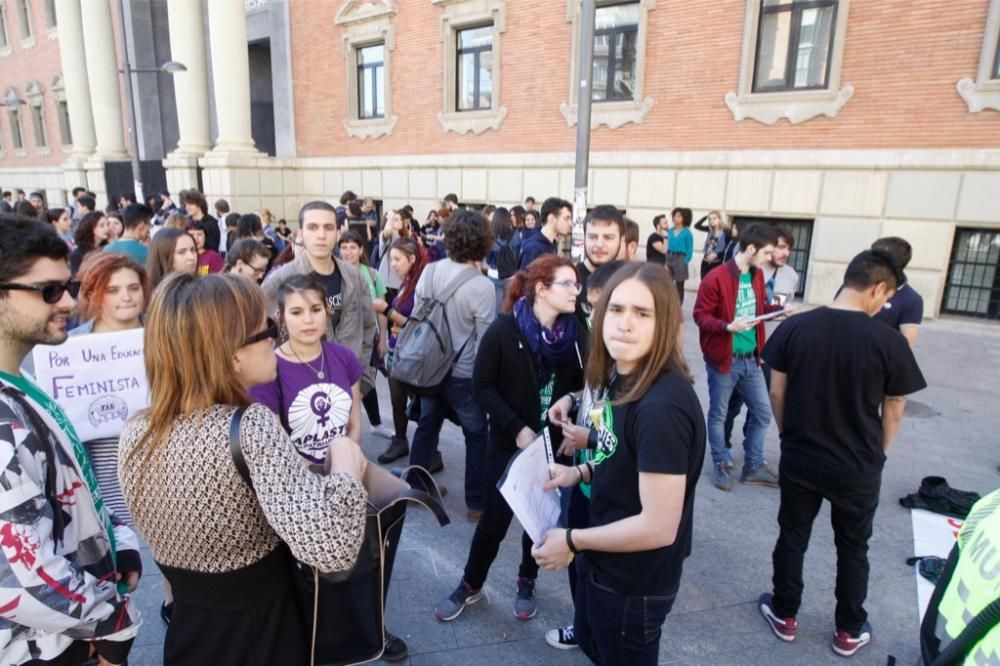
(39, 396)
(545, 397)
(376, 285)
(746, 307)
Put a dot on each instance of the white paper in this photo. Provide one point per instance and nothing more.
(765, 317)
(521, 486)
(933, 534)
(98, 379)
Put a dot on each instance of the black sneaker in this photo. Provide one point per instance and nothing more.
(395, 648)
(166, 611)
(525, 606)
(398, 447)
(562, 638)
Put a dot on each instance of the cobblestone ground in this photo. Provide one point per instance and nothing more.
(950, 429)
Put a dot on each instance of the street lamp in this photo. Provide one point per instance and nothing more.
(169, 67)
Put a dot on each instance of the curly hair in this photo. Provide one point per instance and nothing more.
(467, 236)
(95, 274)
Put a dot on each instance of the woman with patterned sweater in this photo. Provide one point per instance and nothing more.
(223, 547)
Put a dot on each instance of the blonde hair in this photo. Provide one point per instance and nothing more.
(177, 221)
(194, 327)
(723, 219)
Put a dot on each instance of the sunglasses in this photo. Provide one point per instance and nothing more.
(269, 333)
(51, 293)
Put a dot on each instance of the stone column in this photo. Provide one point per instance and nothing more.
(231, 68)
(74, 70)
(102, 70)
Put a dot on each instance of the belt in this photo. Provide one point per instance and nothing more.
(746, 355)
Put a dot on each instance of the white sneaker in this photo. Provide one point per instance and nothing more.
(382, 431)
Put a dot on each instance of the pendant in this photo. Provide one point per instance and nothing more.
(320, 375)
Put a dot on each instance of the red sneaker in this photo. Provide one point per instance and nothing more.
(782, 627)
(846, 644)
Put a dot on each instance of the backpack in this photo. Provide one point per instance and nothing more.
(506, 261)
(424, 355)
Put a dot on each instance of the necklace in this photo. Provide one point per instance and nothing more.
(322, 361)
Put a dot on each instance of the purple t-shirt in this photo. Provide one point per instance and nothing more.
(314, 411)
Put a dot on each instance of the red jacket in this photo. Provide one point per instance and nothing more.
(715, 309)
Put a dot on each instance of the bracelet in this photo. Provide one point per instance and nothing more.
(590, 468)
(569, 541)
(388, 312)
(580, 472)
(592, 441)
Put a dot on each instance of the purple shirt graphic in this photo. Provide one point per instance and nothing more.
(314, 411)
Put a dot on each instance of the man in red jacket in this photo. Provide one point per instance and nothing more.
(728, 299)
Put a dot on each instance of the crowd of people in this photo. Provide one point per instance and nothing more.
(275, 337)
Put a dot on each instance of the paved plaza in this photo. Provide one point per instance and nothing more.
(951, 429)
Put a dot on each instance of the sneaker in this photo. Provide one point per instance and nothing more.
(846, 644)
(728, 460)
(782, 627)
(525, 607)
(561, 638)
(381, 431)
(398, 448)
(437, 464)
(450, 608)
(721, 478)
(759, 476)
(395, 648)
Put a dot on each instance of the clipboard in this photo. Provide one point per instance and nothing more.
(520, 485)
(766, 317)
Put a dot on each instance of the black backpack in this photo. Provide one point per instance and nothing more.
(507, 259)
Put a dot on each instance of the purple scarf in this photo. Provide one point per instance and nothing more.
(548, 346)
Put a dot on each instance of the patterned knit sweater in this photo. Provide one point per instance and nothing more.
(196, 512)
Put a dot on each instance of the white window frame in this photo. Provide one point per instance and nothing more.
(33, 93)
(457, 15)
(58, 88)
(613, 114)
(984, 91)
(365, 24)
(24, 20)
(5, 49)
(797, 106)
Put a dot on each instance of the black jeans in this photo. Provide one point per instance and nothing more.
(615, 629)
(853, 502)
(577, 518)
(493, 525)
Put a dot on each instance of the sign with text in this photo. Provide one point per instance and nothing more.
(99, 380)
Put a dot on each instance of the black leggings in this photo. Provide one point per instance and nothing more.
(398, 395)
(680, 289)
(370, 403)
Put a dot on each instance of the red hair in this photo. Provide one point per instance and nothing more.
(525, 281)
(96, 273)
(411, 247)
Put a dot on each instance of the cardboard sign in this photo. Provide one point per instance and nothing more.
(99, 380)
(933, 534)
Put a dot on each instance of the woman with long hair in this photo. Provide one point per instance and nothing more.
(717, 238)
(532, 223)
(529, 354)
(649, 453)
(352, 250)
(217, 540)
(408, 259)
(393, 230)
(506, 248)
(171, 251)
(91, 235)
(115, 226)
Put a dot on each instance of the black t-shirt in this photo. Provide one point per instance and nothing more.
(664, 433)
(840, 364)
(652, 254)
(905, 307)
(334, 296)
(583, 276)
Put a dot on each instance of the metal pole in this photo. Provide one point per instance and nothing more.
(130, 102)
(584, 96)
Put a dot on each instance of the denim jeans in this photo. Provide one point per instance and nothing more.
(852, 511)
(746, 378)
(616, 629)
(457, 394)
(736, 404)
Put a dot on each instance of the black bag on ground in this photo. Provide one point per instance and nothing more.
(936, 495)
(345, 610)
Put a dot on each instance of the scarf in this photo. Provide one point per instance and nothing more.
(548, 346)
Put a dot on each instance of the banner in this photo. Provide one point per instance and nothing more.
(933, 534)
(98, 379)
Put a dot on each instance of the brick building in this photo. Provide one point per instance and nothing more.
(848, 120)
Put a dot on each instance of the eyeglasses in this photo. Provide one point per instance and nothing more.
(269, 333)
(51, 292)
(569, 284)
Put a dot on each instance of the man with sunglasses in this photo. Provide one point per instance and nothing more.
(839, 381)
(66, 562)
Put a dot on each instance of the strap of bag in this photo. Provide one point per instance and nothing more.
(235, 450)
(457, 283)
(430, 499)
